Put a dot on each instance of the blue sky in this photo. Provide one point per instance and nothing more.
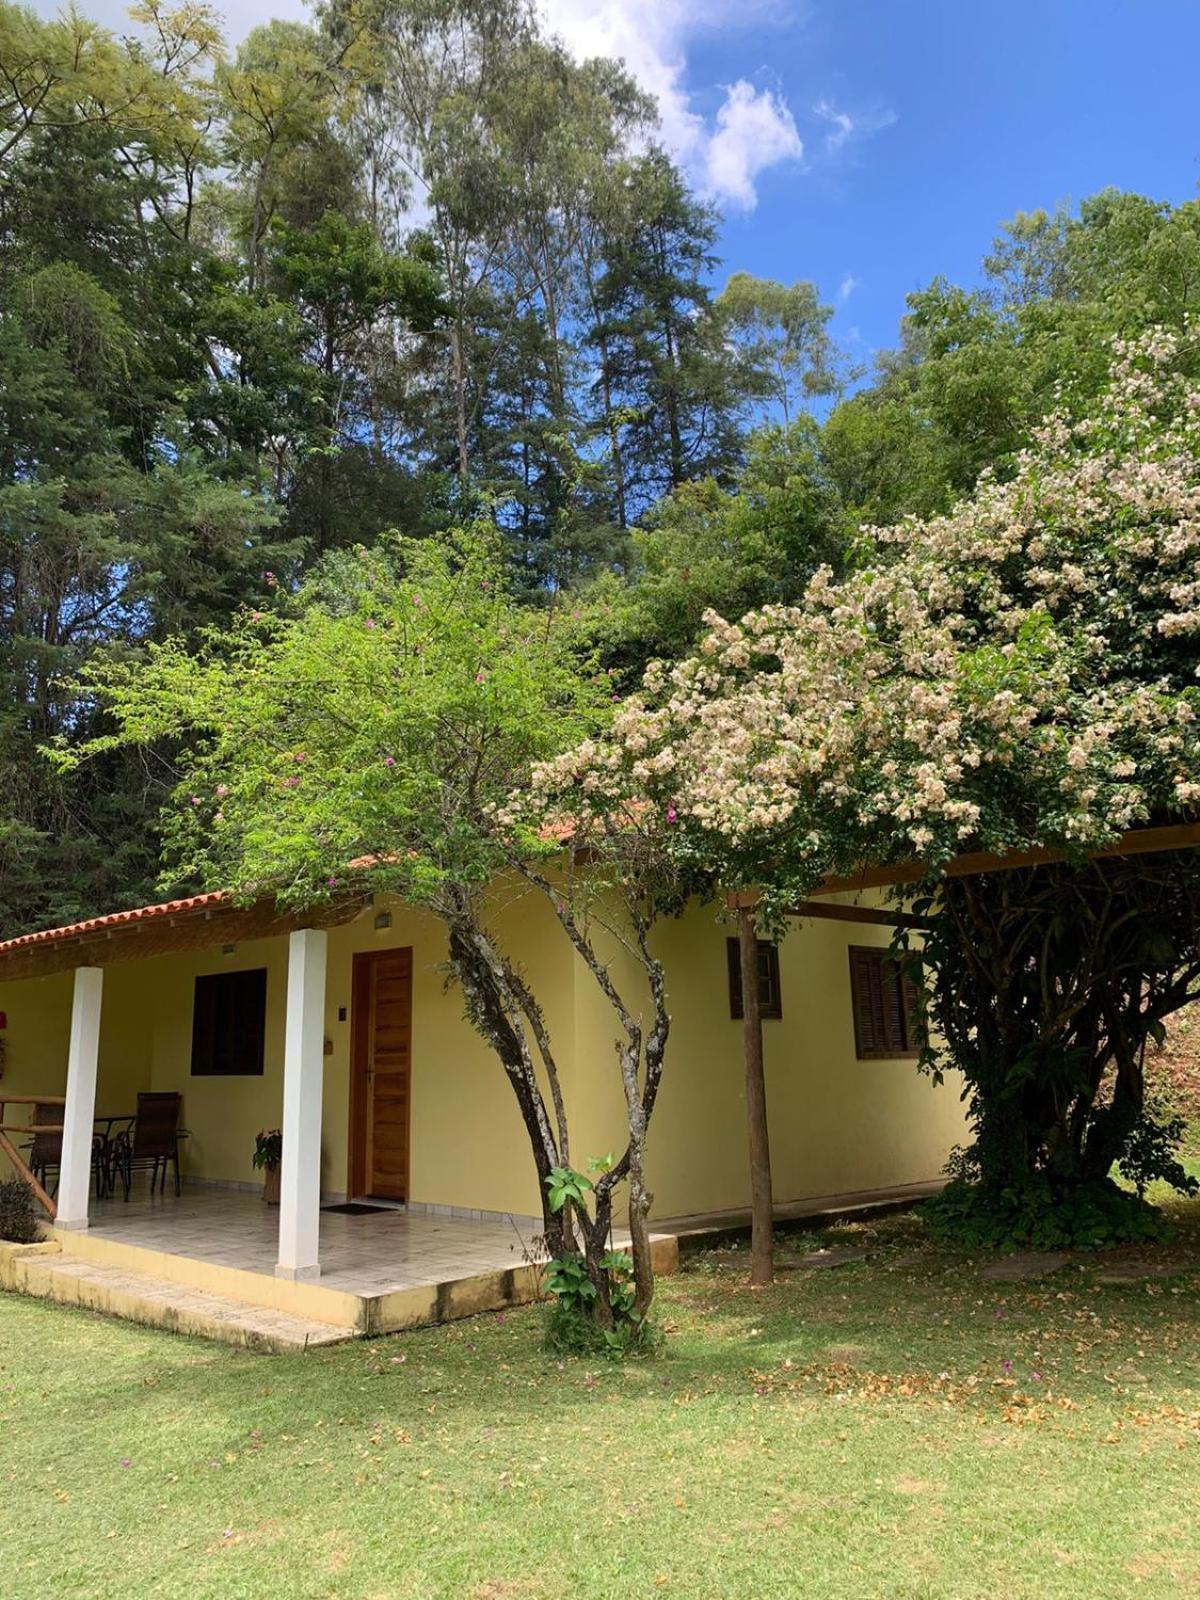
(994, 108)
(870, 144)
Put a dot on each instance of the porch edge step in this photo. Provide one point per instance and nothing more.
(161, 1303)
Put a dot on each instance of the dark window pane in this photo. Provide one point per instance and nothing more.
(770, 996)
(229, 1017)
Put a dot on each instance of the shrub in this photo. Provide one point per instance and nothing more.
(571, 1327)
(1035, 1214)
(18, 1223)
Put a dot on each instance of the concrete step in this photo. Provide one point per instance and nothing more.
(161, 1303)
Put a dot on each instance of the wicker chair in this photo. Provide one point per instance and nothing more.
(45, 1150)
(153, 1142)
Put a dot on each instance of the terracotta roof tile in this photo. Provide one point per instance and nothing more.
(116, 919)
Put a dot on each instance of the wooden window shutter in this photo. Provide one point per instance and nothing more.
(882, 1001)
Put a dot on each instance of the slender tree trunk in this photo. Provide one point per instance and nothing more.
(460, 402)
(474, 966)
(762, 1251)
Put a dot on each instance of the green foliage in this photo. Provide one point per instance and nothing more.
(1149, 1155)
(571, 1326)
(781, 333)
(704, 548)
(978, 368)
(566, 1278)
(268, 1147)
(1036, 1214)
(366, 734)
(564, 1185)
(18, 1221)
(567, 1333)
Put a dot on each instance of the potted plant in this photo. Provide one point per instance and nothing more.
(268, 1153)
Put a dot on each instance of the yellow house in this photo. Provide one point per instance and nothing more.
(344, 1032)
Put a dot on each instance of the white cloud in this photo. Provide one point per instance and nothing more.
(845, 127)
(847, 287)
(753, 128)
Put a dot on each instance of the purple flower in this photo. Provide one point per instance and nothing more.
(672, 814)
(332, 883)
(1007, 1365)
(389, 761)
(370, 623)
(291, 783)
(125, 1461)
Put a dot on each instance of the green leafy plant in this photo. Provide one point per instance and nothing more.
(566, 1278)
(268, 1147)
(581, 1291)
(18, 1221)
(564, 1184)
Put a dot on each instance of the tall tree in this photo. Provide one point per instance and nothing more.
(670, 396)
(782, 334)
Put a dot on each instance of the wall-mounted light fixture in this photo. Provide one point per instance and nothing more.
(383, 920)
(228, 949)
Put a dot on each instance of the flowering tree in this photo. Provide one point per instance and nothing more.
(375, 733)
(1019, 673)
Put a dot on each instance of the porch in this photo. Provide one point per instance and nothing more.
(377, 1251)
(205, 1263)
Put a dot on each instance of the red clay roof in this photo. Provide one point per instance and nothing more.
(116, 919)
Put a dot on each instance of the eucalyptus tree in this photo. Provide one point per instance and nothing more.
(781, 332)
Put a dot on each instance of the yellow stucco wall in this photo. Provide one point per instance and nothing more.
(838, 1125)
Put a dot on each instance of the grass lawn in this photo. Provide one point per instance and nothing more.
(898, 1427)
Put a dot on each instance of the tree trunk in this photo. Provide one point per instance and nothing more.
(762, 1252)
(492, 1016)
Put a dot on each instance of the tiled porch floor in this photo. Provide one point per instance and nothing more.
(365, 1255)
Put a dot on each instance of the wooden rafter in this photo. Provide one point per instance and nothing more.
(1137, 842)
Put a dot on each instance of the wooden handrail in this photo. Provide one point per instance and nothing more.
(7, 1099)
(14, 1155)
(32, 1127)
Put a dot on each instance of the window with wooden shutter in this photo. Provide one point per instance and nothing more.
(883, 1000)
(229, 1024)
(770, 997)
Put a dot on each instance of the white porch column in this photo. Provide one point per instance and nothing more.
(75, 1173)
(303, 1072)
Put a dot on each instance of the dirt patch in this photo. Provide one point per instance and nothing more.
(906, 1485)
(846, 1355)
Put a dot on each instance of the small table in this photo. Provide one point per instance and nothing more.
(106, 1137)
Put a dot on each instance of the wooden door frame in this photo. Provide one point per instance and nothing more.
(360, 1024)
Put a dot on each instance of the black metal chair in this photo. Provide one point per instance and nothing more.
(152, 1143)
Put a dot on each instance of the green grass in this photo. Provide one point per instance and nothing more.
(853, 1433)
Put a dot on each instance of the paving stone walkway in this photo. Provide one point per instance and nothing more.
(1026, 1264)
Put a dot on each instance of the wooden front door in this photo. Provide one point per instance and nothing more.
(381, 1080)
